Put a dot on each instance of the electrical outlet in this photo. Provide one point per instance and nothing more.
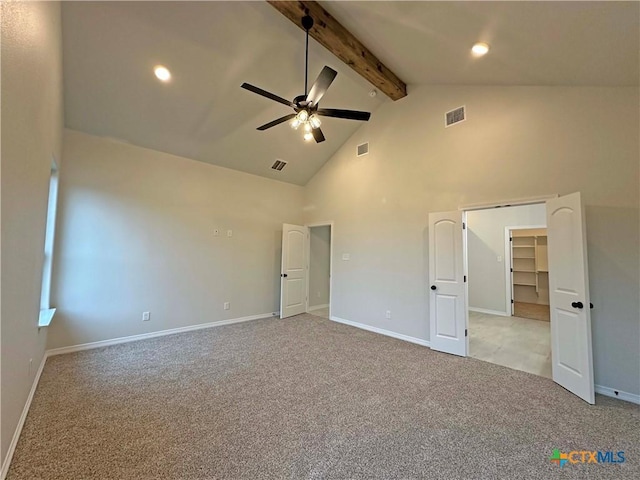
(146, 316)
(388, 314)
(346, 256)
(318, 294)
(227, 305)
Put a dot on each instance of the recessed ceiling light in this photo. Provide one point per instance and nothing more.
(162, 73)
(480, 49)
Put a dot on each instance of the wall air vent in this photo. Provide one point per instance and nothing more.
(363, 149)
(279, 165)
(455, 116)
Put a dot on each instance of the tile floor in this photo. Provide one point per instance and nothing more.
(519, 343)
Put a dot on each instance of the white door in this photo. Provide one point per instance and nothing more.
(447, 301)
(293, 281)
(572, 363)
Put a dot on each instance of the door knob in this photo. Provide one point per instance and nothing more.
(577, 304)
(284, 275)
(433, 287)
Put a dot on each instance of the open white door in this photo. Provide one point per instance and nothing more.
(448, 309)
(293, 281)
(571, 354)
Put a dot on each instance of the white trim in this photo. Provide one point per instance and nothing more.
(382, 331)
(331, 237)
(488, 311)
(160, 333)
(16, 435)
(45, 317)
(508, 203)
(619, 394)
(317, 307)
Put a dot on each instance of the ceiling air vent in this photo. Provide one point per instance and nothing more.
(455, 116)
(363, 149)
(279, 165)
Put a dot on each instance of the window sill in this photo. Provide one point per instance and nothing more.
(46, 316)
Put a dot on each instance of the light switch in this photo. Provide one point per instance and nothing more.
(229, 233)
(345, 256)
(499, 258)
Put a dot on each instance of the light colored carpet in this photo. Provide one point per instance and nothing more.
(303, 398)
(532, 310)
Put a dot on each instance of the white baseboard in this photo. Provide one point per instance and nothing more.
(317, 307)
(16, 435)
(490, 312)
(160, 333)
(619, 394)
(382, 331)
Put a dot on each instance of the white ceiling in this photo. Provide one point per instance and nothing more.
(532, 43)
(211, 48)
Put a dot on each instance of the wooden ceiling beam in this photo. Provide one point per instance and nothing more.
(339, 41)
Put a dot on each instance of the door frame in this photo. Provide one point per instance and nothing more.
(329, 224)
(542, 199)
(507, 261)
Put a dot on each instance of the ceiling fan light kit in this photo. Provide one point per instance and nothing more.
(305, 106)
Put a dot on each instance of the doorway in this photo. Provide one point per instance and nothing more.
(504, 290)
(319, 270)
(529, 273)
(570, 324)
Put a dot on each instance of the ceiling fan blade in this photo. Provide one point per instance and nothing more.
(264, 93)
(276, 122)
(318, 135)
(319, 88)
(348, 114)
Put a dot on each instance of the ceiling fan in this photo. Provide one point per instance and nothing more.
(305, 106)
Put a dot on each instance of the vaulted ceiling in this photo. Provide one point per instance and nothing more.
(211, 48)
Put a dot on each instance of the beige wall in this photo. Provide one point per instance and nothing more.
(517, 142)
(485, 243)
(136, 233)
(31, 136)
(319, 265)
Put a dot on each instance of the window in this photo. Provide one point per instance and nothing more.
(46, 312)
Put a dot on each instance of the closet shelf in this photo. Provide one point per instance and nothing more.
(524, 284)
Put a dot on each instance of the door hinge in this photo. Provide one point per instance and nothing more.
(465, 278)
(511, 239)
(511, 269)
(512, 300)
(466, 332)
(464, 225)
